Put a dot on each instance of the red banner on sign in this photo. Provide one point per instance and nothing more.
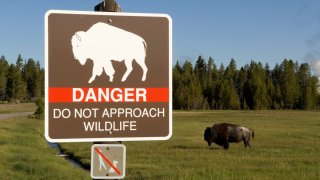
(92, 95)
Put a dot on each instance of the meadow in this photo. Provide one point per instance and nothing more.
(24, 153)
(13, 107)
(286, 146)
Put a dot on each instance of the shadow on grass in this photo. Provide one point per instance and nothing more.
(185, 147)
(76, 160)
(214, 148)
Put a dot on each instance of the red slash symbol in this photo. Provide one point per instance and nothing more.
(107, 160)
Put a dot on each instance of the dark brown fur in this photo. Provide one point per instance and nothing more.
(223, 133)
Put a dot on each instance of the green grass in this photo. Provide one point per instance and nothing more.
(286, 146)
(24, 153)
(13, 107)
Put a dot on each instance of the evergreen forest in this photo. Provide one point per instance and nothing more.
(202, 85)
(255, 86)
(21, 82)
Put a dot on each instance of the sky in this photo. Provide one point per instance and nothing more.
(266, 31)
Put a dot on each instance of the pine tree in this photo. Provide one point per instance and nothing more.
(289, 84)
(177, 86)
(230, 96)
(200, 71)
(42, 81)
(31, 74)
(312, 99)
(255, 88)
(304, 86)
(242, 79)
(232, 86)
(3, 78)
(191, 88)
(218, 89)
(231, 70)
(19, 63)
(16, 87)
(276, 79)
(211, 78)
(270, 88)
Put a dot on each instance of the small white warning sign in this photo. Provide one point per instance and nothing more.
(108, 161)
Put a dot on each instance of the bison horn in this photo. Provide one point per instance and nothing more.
(79, 38)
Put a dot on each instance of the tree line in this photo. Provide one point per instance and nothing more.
(255, 86)
(22, 81)
(204, 85)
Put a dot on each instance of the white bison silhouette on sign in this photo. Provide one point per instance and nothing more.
(103, 43)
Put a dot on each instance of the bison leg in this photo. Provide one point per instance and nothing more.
(144, 68)
(226, 145)
(246, 143)
(108, 68)
(96, 71)
(91, 79)
(128, 64)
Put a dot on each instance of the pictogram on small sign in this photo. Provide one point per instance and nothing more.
(108, 161)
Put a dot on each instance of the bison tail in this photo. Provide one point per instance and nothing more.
(252, 133)
(145, 46)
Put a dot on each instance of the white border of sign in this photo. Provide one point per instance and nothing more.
(123, 174)
(47, 73)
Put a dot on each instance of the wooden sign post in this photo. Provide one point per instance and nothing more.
(108, 6)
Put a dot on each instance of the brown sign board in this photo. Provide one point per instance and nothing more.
(108, 76)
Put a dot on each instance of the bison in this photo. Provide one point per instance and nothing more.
(223, 133)
(102, 43)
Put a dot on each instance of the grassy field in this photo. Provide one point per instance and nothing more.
(13, 107)
(24, 153)
(286, 146)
